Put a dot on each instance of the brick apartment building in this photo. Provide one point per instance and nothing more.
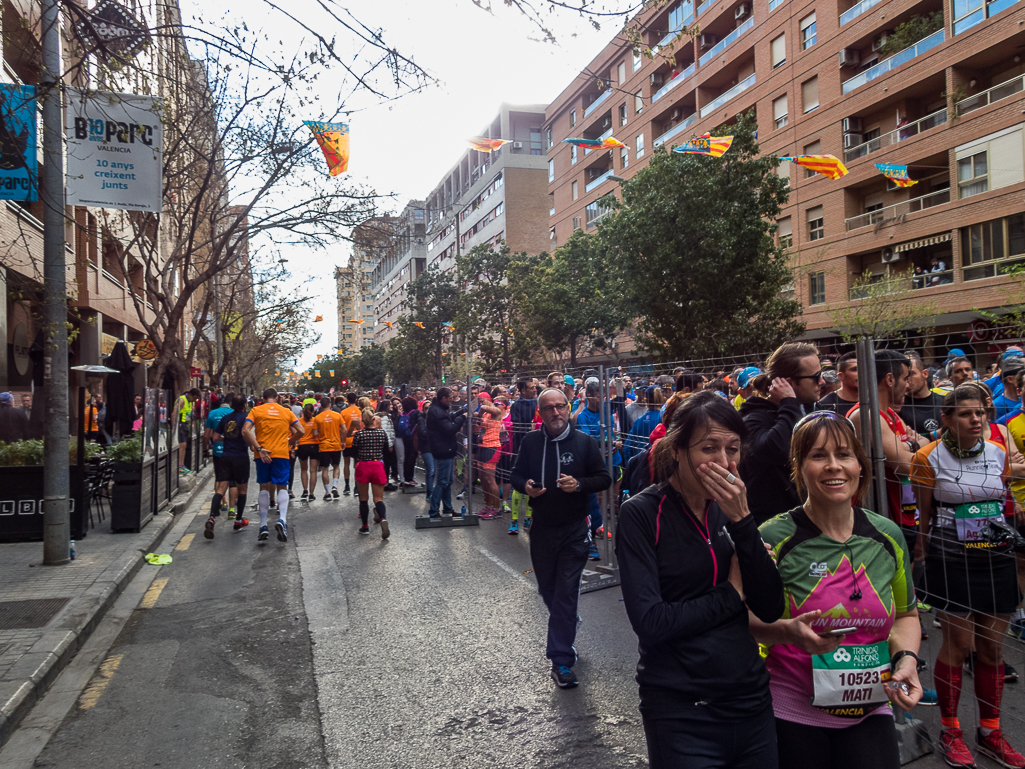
(950, 107)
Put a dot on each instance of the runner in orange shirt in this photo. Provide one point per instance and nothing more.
(352, 422)
(271, 431)
(327, 426)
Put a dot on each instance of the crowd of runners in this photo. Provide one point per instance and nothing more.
(779, 616)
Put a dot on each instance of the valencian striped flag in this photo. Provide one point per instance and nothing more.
(896, 174)
(448, 325)
(596, 144)
(715, 146)
(827, 165)
(420, 325)
(484, 144)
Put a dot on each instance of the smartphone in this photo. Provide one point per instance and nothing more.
(840, 631)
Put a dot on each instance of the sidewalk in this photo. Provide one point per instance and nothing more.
(58, 607)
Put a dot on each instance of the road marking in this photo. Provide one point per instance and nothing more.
(186, 541)
(506, 567)
(150, 599)
(100, 682)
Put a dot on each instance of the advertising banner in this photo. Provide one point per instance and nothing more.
(19, 179)
(115, 151)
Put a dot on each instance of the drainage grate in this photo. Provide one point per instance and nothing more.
(24, 615)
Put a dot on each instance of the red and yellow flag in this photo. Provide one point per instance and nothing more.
(484, 144)
(388, 323)
(607, 143)
(827, 165)
(420, 325)
(715, 146)
(359, 322)
(333, 139)
(318, 318)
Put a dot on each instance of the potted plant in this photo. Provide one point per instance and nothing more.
(131, 499)
(21, 491)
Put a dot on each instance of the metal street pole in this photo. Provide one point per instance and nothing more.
(56, 485)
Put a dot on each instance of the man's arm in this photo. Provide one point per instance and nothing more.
(297, 431)
(597, 476)
(898, 455)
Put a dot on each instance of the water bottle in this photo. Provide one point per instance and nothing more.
(463, 511)
(72, 550)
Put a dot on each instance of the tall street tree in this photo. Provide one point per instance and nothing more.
(432, 300)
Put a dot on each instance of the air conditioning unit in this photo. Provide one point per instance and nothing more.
(707, 41)
(606, 123)
(880, 41)
(849, 57)
(889, 255)
(852, 125)
(852, 140)
(742, 11)
(657, 78)
(517, 145)
(675, 115)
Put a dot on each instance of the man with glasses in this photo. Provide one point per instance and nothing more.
(558, 467)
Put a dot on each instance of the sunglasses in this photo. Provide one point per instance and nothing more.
(817, 376)
(820, 415)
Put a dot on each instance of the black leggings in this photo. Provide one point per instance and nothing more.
(870, 743)
(679, 743)
(410, 461)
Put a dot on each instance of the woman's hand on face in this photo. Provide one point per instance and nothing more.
(730, 496)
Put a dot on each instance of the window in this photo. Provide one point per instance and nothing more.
(817, 288)
(808, 35)
(572, 154)
(624, 156)
(622, 72)
(778, 51)
(638, 61)
(595, 212)
(573, 118)
(548, 137)
(622, 114)
(535, 142)
(816, 224)
(785, 233)
(972, 175)
(983, 244)
(640, 146)
(639, 102)
(815, 148)
(574, 189)
(810, 94)
(783, 171)
(576, 223)
(779, 111)
(551, 170)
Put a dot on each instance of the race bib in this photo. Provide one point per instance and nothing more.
(908, 503)
(218, 449)
(971, 517)
(849, 681)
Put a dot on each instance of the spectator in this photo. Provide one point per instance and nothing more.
(843, 400)
(443, 428)
(13, 423)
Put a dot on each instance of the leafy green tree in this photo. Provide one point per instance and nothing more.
(432, 299)
(409, 354)
(368, 366)
(693, 246)
(573, 296)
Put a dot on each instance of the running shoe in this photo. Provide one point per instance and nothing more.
(390, 487)
(996, 747)
(346, 491)
(305, 496)
(231, 513)
(377, 518)
(593, 553)
(364, 529)
(505, 508)
(526, 523)
(1010, 674)
(290, 494)
(282, 530)
(461, 494)
(241, 523)
(456, 516)
(929, 697)
(514, 527)
(208, 532)
(334, 495)
(564, 677)
(264, 534)
(327, 497)
(385, 531)
(924, 607)
(488, 513)
(953, 749)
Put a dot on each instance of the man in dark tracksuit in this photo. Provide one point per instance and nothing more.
(558, 467)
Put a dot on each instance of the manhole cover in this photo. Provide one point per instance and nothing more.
(24, 615)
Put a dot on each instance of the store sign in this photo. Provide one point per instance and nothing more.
(115, 151)
(19, 179)
(195, 373)
(107, 342)
(109, 27)
(145, 350)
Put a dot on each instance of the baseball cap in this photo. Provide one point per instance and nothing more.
(744, 377)
(568, 380)
(1012, 352)
(6, 398)
(650, 392)
(484, 396)
(956, 353)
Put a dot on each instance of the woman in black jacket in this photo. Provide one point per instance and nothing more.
(692, 563)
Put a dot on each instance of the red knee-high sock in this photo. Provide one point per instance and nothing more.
(989, 689)
(948, 690)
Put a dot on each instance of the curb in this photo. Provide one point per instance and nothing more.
(29, 693)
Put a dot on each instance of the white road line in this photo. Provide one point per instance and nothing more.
(506, 567)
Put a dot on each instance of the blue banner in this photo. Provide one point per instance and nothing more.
(19, 178)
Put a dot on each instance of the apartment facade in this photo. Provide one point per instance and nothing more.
(823, 78)
(401, 257)
(350, 291)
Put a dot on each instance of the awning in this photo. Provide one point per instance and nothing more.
(946, 236)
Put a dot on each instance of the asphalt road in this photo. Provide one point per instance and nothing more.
(341, 650)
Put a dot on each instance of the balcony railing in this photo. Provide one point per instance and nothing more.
(980, 14)
(672, 35)
(683, 125)
(727, 41)
(930, 279)
(879, 288)
(739, 88)
(994, 94)
(597, 181)
(894, 61)
(893, 137)
(912, 206)
(852, 13)
(680, 77)
(595, 104)
(702, 7)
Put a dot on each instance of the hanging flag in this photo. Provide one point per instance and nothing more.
(318, 318)
(333, 139)
(715, 146)
(827, 165)
(277, 372)
(420, 325)
(319, 357)
(339, 352)
(607, 143)
(896, 174)
(450, 326)
(484, 144)
(388, 323)
(359, 322)
(316, 374)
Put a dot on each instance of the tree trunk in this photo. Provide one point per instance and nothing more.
(573, 351)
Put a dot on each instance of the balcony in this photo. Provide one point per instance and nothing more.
(597, 102)
(673, 83)
(994, 94)
(597, 182)
(601, 138)
(852, 13)
(894, 61)
(702, 7)
(672, 35)
(981, 13)
(683, 125)
(893, 137)
(933, 199)
(739, 88)
(727, 41)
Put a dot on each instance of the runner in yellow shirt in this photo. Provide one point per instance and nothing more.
(328, 428)
(352, 422)
(271, 431)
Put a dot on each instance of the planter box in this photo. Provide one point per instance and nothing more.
(21, 503)
(131, 499)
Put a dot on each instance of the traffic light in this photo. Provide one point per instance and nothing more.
(345, 383)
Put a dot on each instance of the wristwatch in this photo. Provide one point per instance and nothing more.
(919, 662)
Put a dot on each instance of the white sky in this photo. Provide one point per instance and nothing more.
(406, 146)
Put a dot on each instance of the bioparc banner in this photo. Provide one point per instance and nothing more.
(19, 179)
(115, 150)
